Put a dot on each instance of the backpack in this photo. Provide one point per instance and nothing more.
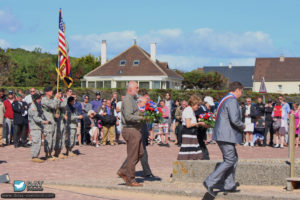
(109, 120)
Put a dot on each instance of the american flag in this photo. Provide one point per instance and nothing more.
(63, 65)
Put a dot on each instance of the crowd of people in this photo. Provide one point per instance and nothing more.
(59, 120)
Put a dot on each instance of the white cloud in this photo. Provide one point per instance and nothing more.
(184, 50)
(4, 44)
(184, 63)
(30, 47)
(8, 22)
(243, 61)
(117, 42)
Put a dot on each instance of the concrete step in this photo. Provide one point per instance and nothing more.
(248, 172)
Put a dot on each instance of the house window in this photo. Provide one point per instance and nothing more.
(279, 87)
(121, 84)
(168, 85)
(121, 72)
(99, 84)
(122, 62)
(83, 84)
(299, 87)
(144, 85)
(91, 84)
(155, 84)
(136, 62)
(107, 84)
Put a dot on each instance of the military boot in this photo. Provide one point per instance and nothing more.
(50, 157)
(37, 160)
(70, 153)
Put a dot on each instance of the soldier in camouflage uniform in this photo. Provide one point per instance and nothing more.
(60, 129)
(72, 124)
(49, 107)
(36, 123)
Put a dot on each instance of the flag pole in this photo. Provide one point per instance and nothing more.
(58, 65)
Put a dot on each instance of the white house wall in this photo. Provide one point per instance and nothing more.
(273, 87)
(114, 80)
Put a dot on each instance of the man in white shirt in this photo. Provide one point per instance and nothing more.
(28, 98)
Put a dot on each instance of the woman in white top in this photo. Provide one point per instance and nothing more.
(190, 149)
(249, 115)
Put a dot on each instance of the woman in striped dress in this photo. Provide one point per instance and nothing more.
(190, 149)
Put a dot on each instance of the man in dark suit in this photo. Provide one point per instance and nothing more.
(227, 132)
(20, 109)
(201, 134)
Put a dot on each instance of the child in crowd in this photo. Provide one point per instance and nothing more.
(164, 126)
(259, 130)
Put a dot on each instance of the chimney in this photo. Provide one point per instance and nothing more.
(230, 65)
(153, 51)
(281, 59)
(103, 52)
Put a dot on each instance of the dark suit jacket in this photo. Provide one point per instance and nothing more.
(19, 110)
(202, 110)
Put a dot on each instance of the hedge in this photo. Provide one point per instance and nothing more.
(176, 94)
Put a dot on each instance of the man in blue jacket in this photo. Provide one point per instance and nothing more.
(228, 131)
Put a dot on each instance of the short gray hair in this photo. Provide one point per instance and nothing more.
(131, 84)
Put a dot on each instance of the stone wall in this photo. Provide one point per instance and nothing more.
(249, 172)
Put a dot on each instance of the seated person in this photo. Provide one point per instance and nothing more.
(91, 129)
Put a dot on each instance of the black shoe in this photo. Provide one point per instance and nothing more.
(161, 144)
(26, 145)
(233, 190)
(150, 176)
(209, 190)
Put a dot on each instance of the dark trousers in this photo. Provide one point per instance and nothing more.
(20, 132)
(145, 164)
(269, 127)
(179, 133)
(82, 132)
(201, 136)
(135, 152)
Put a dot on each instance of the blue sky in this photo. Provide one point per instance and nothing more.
(189, 34)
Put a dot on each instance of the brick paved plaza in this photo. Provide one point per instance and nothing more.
(98, 166)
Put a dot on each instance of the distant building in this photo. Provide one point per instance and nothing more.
(243, 74)
(282, 75)
(132, 64)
